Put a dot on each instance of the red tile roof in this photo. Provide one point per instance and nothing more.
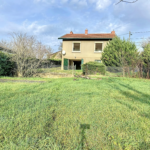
(89, 36)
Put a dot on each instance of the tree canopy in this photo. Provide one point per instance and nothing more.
(146, 54)
(119, 52)
(146, 58)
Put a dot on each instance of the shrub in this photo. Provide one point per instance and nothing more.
(93, 68)
(55, 61)
(6, 66)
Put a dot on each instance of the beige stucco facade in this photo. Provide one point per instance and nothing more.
(87, 51)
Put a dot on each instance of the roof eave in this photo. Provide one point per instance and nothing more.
(83, 38)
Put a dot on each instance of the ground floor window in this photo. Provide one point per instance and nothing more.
(99, 61)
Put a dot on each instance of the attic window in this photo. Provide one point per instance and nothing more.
(76, 47)
(98, 47)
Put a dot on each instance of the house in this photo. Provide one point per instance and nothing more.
(82, 48)
(56, 55)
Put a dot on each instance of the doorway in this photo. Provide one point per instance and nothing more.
(77, 64)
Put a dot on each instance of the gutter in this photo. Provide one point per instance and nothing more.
(85, 38)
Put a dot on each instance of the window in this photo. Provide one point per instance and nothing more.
(98, 47)
(76, 47)
(99, 61)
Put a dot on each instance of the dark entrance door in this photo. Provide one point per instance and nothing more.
(78, 65)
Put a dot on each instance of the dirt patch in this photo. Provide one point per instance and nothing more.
(27, 81)
(52, 75)
(87, 77)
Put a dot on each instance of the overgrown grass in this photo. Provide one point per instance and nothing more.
(49, 115)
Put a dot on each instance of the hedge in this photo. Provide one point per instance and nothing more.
(54, 61)
(93, 68)
(6, 66)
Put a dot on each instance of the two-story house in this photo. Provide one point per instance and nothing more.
(82, 48)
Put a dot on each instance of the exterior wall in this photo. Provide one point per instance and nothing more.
(87, 51)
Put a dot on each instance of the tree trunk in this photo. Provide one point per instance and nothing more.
(129, 72)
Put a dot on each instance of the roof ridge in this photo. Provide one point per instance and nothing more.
(92, 35)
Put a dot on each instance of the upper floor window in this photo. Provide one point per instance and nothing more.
(98, 47)
(76, 47)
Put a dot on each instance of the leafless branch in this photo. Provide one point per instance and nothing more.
(126, 1)
(145, 42)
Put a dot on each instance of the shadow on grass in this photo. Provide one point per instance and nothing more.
(144, 146)
(127, 105)
(137, 96)
(143, 98)
(83, 143)
(142, 114)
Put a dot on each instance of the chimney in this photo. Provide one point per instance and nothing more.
(71, 32)
(86, 32)
(113, 32)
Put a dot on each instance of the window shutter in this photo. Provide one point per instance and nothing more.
(82, 62)
(65, 64)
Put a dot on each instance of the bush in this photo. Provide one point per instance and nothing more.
(93, 68)
(6, 66)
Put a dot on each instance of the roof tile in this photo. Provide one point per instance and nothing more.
(90, 36)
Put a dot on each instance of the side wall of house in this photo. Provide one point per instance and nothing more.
(87, 51)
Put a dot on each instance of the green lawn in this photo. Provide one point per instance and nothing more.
(49, 115)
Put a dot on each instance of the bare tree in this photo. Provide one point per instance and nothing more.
(145, 42)
(28, 53)
(60, 48)
(50, 50)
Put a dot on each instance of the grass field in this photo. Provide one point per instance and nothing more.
(54, 115)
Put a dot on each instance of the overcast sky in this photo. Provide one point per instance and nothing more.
(50, 19)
